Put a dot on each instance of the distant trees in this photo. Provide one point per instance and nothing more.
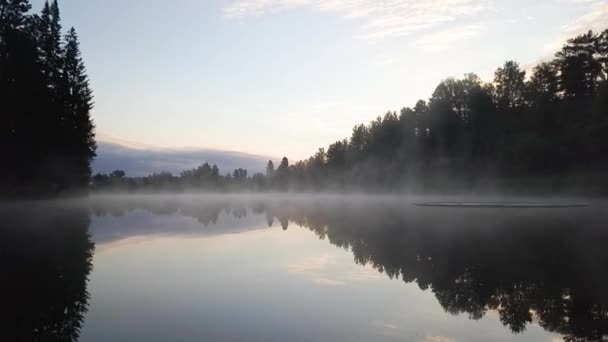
(203, 178)
(270, 169)
(550, 123)
(47, 138)
(547, 124)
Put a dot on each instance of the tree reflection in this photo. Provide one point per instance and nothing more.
(45, 260)
(528, 265)
(543, 266)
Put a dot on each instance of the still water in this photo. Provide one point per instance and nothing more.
(295, 268)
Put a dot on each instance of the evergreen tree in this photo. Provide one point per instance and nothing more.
(282, 174)
(284, 166)
(13, 14)
(23, 98)
(49, 40)
(77, 104)
(270, 169)
(47, 134)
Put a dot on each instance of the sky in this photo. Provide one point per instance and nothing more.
(285, 77)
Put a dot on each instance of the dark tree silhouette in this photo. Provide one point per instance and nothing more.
(77, 103)
(270, 169)
(46, 259)
(534, 133)
(47, 135)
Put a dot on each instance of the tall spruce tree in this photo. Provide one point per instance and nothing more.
(22, 96)
(46, 135)
(77, 102)
(51, 60)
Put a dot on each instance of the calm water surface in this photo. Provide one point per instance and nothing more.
(291, 268)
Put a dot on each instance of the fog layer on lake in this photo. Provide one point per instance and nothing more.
(302, 268)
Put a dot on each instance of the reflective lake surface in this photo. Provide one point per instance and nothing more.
(295, 268)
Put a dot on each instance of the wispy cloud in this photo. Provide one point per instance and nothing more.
(328, 270)
(439, 338)
(379, 19)
(445, 39)
(594, 18)
(382, 60)
(385, 325)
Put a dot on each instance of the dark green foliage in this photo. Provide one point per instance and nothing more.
(47, 138)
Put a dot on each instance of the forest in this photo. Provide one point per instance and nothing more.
(527, 129)
(47, 139)
(542, 128)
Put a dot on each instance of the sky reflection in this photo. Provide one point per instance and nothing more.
(193, 268)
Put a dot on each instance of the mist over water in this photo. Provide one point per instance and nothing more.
(451, 218)
(296, 267)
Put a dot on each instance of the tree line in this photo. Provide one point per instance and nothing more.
(206, 177)
(548, 122)
(47, 139)
(545, 126)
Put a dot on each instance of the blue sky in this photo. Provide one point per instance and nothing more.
(284, 77)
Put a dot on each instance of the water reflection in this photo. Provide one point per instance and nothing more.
(530, 266)
(45, 259)
(548, 268)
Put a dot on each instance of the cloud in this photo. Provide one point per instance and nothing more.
(309, 265)
(382, 60)
(142, 161)
(380, 19)
(328, 282)
(327, 270)
(385, 325)
(430, 338)
(446, 39)
(255, 7)
(594, 18)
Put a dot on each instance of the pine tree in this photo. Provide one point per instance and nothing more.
(270, 169)
(46, 29)
(13, 13)
(22, 98)
(46, 136)
(77, 99)
(49, 40)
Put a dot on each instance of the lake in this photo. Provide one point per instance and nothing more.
(300, 268)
